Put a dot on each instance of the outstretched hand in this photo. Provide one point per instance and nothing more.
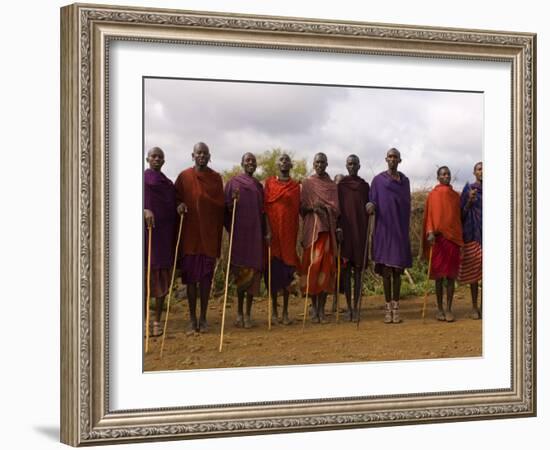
(182, 209)
(320, 210)
(236, 194)
(149, 218)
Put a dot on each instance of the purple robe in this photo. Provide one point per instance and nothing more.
(472, 218)
(247, 248)
(392, 200)
(159, 196)
(353, 195)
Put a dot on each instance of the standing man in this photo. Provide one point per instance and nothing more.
(282, 207)
(247, 257)
(353, 196)
(319, 199)
(201, 202)
(443, 232)
(160, 215)
(471, 267)
(390, 201)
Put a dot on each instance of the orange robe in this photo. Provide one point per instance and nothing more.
(282, 206)
(442, 216)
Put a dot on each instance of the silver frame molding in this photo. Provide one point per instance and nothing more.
(86, 31)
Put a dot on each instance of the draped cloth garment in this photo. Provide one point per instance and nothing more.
(442, 216)
(202, 193)
(319, 189)
(392, 200)
(159, 196)
(282, 207)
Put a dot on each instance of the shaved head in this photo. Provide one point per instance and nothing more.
(245, 155)
(155, 150)
(200, 146)
(394, 151)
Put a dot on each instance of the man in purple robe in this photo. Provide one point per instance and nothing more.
(160, 215)
(247, 257)
(353, 195)
(390, 201)
(471, 267)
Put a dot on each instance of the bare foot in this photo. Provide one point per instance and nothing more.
(239, 322)
(475, 314)
(203, 326)
(449, 316)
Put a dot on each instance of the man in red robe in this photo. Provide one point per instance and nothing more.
(282, 207)
(201, 201)
(443, 233)
(320, 210)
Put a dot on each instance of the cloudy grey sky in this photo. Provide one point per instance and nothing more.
(430, 128)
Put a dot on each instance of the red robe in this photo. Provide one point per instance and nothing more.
(442, 216)
(202, 192)
(282, 206)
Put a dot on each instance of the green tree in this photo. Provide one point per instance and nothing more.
(233, 172)
(267, 166)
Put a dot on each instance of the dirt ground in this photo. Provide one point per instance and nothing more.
(317, 343)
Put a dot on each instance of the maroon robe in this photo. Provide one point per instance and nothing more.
(353, 195)
(320, 189)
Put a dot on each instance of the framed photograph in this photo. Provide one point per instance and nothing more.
(150, 92)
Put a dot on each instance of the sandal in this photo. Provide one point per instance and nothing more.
(157, 330)
(388, 317)
(395, 312)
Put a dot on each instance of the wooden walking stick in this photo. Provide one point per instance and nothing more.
(426, 293)
(148, 301)
(364, 268)
(309, 270)
(227, 271)
(171, 285)
(269, 287)
(338, 286)
(480, 299)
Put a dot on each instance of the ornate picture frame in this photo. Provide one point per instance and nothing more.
(87, 31)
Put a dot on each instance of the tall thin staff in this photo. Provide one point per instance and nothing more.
(309, 270)
(364, 268)
(148, 301)
(171, 285)
(427, 289)
(269, 300)
(227, 271)
(338, 284)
